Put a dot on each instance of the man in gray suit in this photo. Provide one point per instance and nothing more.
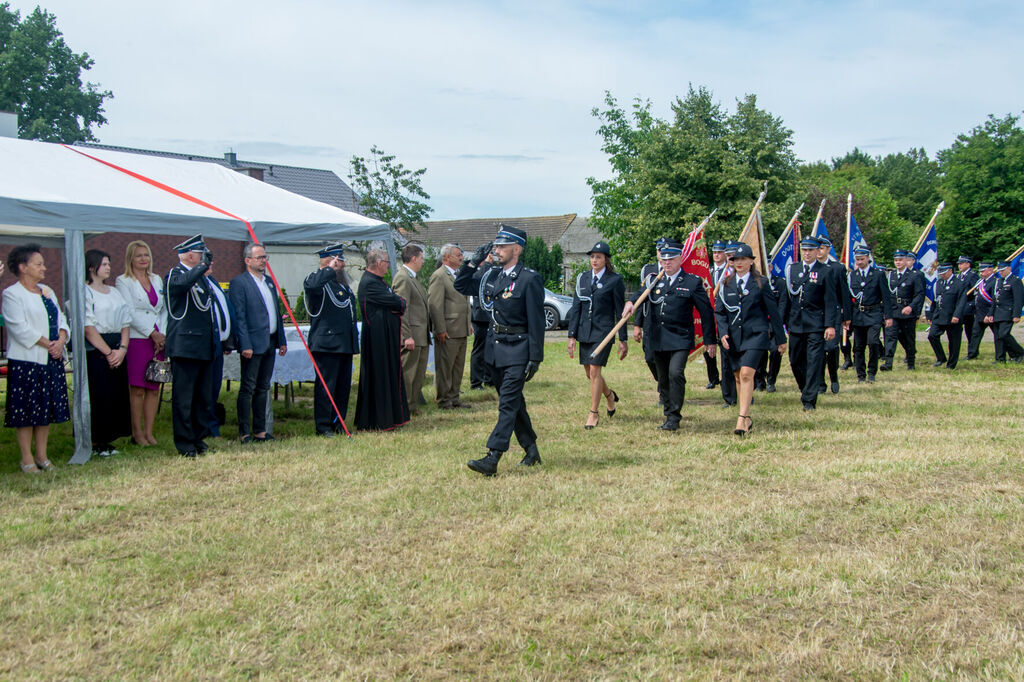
(415, 324)
(450, 318)
(259, 332)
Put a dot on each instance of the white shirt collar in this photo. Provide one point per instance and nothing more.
(450, 271)
(507, 270)
(409, 270)
(599, 274)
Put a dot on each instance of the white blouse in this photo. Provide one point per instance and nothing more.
(108, 312)
(27, 322)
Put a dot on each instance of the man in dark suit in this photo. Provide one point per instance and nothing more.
(908, 289)
(514, 296)
(190, 345)
(673, 300)
(718, 266)
(872, 306)
(478, 377)
(812, 315)
(1006, 313)
(984, 301)
(259, 333)
(333, 338)
(946, 316)
(968, 278)
(224, 344)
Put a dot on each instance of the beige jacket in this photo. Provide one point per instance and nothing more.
(416, 321)
(449, 310)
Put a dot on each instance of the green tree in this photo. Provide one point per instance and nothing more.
(388, 191)
(983, 184)
(668, 175)
(913, 181)
(547, 262)
(853, 158)
(41, 80)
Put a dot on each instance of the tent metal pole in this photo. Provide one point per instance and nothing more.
(81, 416)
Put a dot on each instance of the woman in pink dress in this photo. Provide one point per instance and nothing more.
(144, 293)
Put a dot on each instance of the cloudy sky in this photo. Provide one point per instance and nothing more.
(494, 98)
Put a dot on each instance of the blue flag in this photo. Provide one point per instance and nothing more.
(789, 250)
(1017, 264)
(821, 231)
(856, 241)
(928, 261)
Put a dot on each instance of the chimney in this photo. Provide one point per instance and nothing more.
(231, 157)
(8, 124)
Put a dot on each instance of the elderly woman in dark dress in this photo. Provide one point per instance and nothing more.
(596, 305)
(37, 392)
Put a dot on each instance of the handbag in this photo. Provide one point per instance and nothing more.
(158, 371)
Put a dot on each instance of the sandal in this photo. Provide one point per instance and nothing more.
(743, 432)
(611, 413)
(590, 426)
(45, 465)
(29, 468)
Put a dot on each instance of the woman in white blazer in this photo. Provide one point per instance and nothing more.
(144, 293)
(37, 391)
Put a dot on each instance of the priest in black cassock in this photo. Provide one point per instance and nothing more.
(381, 404)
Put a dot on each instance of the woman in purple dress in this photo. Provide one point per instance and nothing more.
(144, 293)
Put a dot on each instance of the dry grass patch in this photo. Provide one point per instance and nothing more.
(879, 536)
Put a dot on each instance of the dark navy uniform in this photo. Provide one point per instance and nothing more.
(1009, 301)
(728, 379)
(515, 342)
(949, 305)
(672, 335)
(333, 340)
(984, 301)
(595, 310)
(750, 317)
(908, 289)
(642, 317)
(811, 306)
(845, 302)
(478, 377)
(968, 278)
(771, 365)
(191, 342)
(872, 306)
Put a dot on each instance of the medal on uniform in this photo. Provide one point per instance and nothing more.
(508, 292)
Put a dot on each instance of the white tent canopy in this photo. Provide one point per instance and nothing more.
(54, 192)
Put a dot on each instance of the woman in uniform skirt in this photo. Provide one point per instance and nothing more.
(748, 319)
(596, 306)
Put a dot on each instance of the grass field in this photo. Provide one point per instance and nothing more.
(880, 536)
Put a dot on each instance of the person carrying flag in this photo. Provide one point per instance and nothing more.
(983, 304)
(872, 305)
(908, 288)
(968, 278)
(946, 316)
(1006, 313)
(837, 273)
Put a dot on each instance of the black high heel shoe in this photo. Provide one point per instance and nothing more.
(743, 432)
(611, 413)
(590, 426)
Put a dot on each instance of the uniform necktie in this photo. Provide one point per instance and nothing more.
(593, 283)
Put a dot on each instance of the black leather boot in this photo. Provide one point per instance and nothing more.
(532, 457)
(488, 466)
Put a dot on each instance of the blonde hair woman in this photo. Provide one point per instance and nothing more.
(144, 293)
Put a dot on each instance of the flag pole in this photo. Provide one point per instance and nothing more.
(846, 244)
(817, 218)
(746, 227)
(928, 227)
(782, 237)
(647, 292)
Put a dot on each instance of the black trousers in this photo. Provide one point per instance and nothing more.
(866, 337)
(712, 366)
(1005, 343)
(190, 401)
(806, 359)
(774, 367)
(478, 371)
(954, 334)
(728, 378)
(968, 323)
(978, 333)
(255, 378)
(512, 414)
(906, 334)
(336, 369)
(216, 379)
(889, 337)
(671, 366)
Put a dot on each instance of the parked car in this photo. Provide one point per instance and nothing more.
(556, 309)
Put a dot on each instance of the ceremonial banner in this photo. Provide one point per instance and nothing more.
(854, 240)
(787, 250)
(928, 260)
(695, 262)
(1017, 262)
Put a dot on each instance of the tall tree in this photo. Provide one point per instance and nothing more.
(388, 191)
(913, 181)
(983, 183)
(41, 80)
